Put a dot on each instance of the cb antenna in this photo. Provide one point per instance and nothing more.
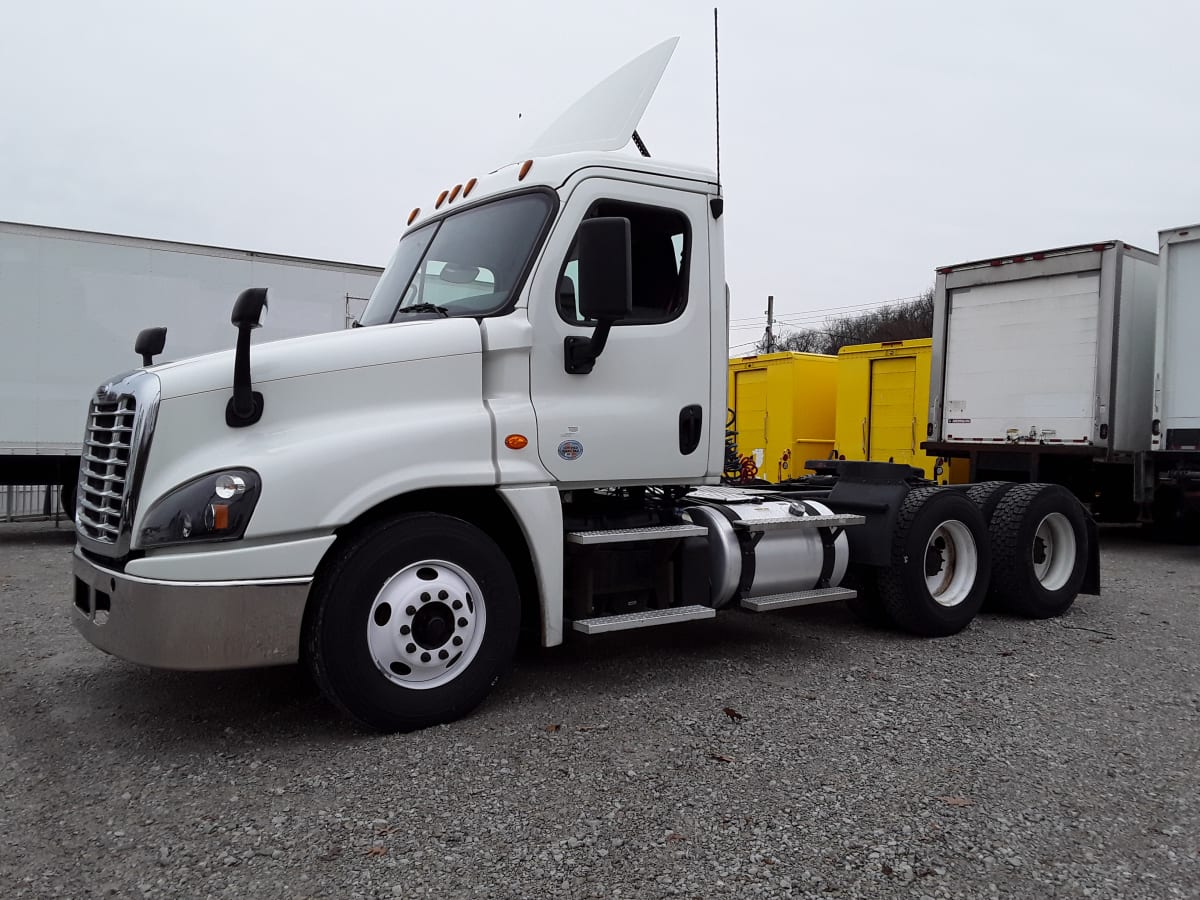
(717, 89)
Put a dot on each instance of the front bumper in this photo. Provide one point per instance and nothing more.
(189, 625)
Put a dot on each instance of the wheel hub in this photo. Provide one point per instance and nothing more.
(1039, 550)
(1053, 551)
(432, 625)
(951, 563)
(935, 557)
(426, 624)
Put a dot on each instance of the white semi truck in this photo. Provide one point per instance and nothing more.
(528, 431)
(71, 303)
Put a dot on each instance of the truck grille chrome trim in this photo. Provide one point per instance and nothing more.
(119, 425)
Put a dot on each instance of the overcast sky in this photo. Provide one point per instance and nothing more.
(863, 144)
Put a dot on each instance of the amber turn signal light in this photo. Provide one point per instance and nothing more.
(516, 442)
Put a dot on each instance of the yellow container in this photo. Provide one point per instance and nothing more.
(783, 407)
(883, 405)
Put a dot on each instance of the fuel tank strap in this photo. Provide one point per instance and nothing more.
(829, 538)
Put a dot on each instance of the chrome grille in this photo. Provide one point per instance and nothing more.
(104, 469)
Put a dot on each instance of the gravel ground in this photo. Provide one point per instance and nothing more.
(791, 754)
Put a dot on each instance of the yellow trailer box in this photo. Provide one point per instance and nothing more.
(783, 410)
(883, 405)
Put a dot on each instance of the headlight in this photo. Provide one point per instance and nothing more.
(213, 507)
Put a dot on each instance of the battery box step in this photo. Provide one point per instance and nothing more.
(645, 619)
(773, 602)
(636, 535)
(839, 520)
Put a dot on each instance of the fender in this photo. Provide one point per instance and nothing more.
(538, 509)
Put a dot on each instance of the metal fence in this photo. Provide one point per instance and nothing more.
(23, 502)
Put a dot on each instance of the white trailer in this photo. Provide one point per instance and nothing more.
(72, 302)
(527, 433)
(1174, 465)
(1041, 369)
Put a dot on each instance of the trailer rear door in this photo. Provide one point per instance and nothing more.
(1021, 360)
(1180, 372)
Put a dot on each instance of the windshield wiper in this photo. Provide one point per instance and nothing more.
(425, 308)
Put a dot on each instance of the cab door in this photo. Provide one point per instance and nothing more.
(642, 414)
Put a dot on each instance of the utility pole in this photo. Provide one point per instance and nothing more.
(771, 323)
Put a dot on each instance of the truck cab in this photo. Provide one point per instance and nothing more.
(527, 430)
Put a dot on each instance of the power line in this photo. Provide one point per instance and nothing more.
(746, 344)
(824, 312)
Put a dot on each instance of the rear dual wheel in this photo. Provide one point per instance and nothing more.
(1040, 549)
(940, 562)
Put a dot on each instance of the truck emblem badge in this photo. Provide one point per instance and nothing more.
(569, 450)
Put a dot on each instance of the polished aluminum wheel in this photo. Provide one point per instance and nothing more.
(426, 624)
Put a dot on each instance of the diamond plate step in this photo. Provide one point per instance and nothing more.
(645, 619)
(839, 520)
(630, 535)
(799, 598)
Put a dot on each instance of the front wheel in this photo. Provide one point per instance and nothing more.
(413, 622)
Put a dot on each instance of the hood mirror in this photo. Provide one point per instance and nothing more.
(150, 342)
(245, 407)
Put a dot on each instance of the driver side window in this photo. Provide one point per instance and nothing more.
(660, 241)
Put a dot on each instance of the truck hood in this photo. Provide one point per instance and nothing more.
(319, 353)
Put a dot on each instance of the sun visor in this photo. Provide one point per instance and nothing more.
(605, 117)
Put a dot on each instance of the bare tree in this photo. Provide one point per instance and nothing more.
(900, 321)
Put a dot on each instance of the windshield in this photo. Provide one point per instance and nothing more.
(468, 264)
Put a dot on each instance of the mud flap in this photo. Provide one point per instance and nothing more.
(1091, 580)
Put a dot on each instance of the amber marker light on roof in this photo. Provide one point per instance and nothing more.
(516, 442)
(454, 193)
(525, 166)
(440, 200)
(412, 216)
(467, 189)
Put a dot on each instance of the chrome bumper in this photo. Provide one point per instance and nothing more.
(189, 625)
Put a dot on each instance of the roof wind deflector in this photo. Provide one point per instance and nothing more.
(605, 117)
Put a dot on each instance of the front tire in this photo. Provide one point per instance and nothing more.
(938, 576)
(413, 622)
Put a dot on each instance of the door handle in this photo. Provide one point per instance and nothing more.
(691, 418)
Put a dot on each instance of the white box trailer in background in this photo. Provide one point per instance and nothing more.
(1042, 364)
(72, 303)
(1174, 466)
